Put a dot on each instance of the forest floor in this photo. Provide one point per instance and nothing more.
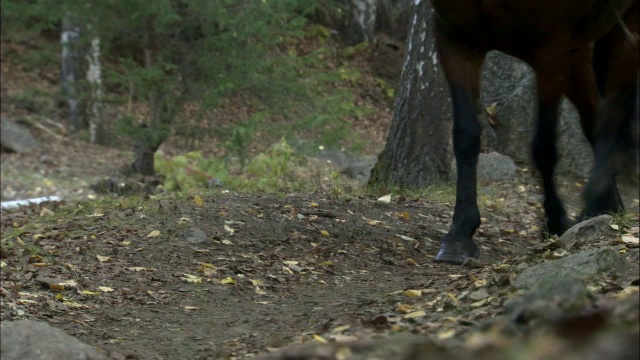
(224, 275)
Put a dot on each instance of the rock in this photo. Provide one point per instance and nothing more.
(494, 166)
(194, 236)
(551, 300)
(359, 170)
(582, 265)
(510, 83)
(588, 231)
(16, 137)
(34, 340)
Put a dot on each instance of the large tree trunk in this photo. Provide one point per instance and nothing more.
(418, 148)
(71, 67)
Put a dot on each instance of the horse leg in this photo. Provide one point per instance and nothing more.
(613, 135)
(551, 76)
(462, 69)
(582, 91)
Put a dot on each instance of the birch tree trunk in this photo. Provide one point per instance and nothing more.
(97, 131)
(71, 68)
(418, 149)
(360, 26)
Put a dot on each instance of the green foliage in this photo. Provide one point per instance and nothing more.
(271, 171)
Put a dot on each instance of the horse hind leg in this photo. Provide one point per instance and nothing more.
(615, 136)
(583, 92)
(551, 82)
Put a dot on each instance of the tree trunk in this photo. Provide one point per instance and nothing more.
(97, 130)
(418, 148)
(71, 68)
(360, 26)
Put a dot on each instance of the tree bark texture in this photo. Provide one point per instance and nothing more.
(418, 149)
(360, 26)
(97, 130)
(71, 67)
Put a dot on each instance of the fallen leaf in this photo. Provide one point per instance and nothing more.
(154, 233)
(228, 281)
(229, 229)
(87, 292)
(412, 293)
(313, 205)
(404, 237)
(446, 334)
(415, 314)
(46, 212)
(630, 239)
(198, 200)
(103, 258)
(105, 289)
(192, 279)
(320, 339)
(189, 308)
(339, 329)
(386, 199)
(404, 308)
(324, 233)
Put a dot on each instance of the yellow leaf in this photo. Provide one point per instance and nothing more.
(415, 314)
(46, 212)
(313, 204)
(453, 298)
(189, 308)
(192, 279)
(198, 201)
(446, 334)
(386, 199)
(340, 329)
(87, 292)
(105, 289)
(410, 261)
(320, 339)
(256, 282)
(290, 262)
(124, 243)
(404, 308)
(154, 233)
(412, 293)
(326, 263)
(103, 258)
(228, 280)
(184, 220)
(229, 229)
(404, 215)
(56, 287)
(324, 233)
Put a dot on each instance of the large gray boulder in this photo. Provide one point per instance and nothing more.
(34, 340)
(510, 83)
(16, 137)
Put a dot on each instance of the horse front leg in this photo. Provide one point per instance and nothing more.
(462, 69)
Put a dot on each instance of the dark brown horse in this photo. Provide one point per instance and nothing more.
(586, 50)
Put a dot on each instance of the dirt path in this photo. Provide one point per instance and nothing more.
(267, 272)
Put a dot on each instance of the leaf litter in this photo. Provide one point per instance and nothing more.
(347, 270)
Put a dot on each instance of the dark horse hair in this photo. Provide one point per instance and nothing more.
(586, 50)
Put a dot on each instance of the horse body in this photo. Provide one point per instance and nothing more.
(579, 49)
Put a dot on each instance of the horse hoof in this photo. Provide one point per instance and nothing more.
(457, 251)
